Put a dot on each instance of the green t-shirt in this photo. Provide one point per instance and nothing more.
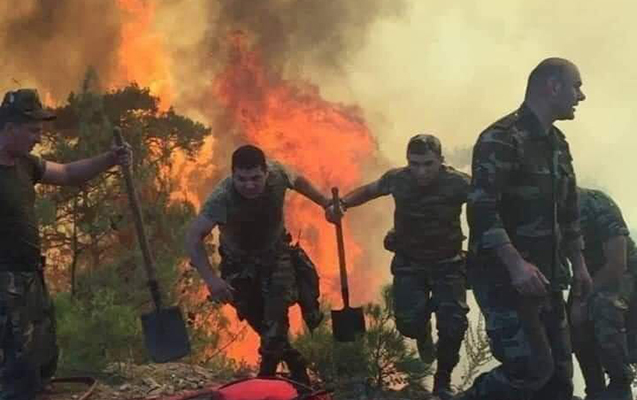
(20, 243)
(250, 225)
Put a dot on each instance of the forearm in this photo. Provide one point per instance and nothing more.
(305, 187)
(81, 171)
(360, 196)
(199, 259)
(607, 277)
(612, 272)
(510, 257)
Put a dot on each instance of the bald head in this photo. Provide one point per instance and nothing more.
(554, 87)
(550, 68)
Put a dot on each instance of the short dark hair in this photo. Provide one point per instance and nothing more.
(248, 157)
(553, 67)
(423, 143)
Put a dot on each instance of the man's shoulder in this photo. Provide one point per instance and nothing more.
(392, 176)
(222, 190)
(33, 164)
(455, 175)
(501, 130)
(280, 174)
(595, 200)
(396, 172)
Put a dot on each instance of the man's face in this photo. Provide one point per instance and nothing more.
(250, 183)
(425, 168)
(568, 93)
(23, 137)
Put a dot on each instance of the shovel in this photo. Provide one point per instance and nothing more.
(348, 322)
(165, 334)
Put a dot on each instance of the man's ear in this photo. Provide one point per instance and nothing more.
(553, 86)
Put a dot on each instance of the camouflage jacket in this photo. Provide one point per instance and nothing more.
(518, 171)
(427, 219)
(601, 219)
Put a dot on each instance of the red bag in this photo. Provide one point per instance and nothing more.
(269, 389)
(254, 389)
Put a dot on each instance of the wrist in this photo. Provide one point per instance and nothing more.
(510, 257)
(344, 206)
(111, 157)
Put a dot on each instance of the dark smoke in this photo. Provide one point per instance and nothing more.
(51, 43)
(310, 32)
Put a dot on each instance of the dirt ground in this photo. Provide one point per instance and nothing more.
(158, 381)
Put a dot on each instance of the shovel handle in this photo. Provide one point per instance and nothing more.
(149, 263)
(341, 251)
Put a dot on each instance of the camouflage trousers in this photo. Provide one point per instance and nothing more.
(28, 350)
(600, 343)
(420, 290)
(265, 288)
(530, 338)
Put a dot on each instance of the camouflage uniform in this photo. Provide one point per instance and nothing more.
(28, 349)
(259, 262)
(600, 344)
(428, 266)
(519, 170)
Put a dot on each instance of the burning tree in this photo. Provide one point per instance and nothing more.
(88, 231)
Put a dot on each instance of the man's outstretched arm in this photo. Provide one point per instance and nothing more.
(78, 172)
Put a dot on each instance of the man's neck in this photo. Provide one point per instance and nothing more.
(542, 112)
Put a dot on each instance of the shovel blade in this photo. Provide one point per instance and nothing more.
(165, 335)
(347, 324)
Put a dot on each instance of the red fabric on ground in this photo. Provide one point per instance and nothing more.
(259, 389)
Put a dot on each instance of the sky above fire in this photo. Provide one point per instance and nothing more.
(408, 66)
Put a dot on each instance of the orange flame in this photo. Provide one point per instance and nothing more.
(142, 58)
(326, 142)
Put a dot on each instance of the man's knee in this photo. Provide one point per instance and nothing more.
(412, 327)
(530, 375)
(452, 325)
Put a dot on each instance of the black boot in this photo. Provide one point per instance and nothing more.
(442, 385)
(268, 366)
(617, 391)
(297, 366)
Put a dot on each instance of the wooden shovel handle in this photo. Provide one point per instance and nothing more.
(341, 251)
(149, 262)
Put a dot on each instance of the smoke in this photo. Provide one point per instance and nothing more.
(50, 43)
(457, 67)
(449, 68)
(306, 32)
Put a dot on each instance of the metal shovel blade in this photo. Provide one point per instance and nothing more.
(165, 335)
(347, 324)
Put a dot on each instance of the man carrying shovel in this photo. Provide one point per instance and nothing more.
(428, 266)
(260, 271)
(28, 350)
